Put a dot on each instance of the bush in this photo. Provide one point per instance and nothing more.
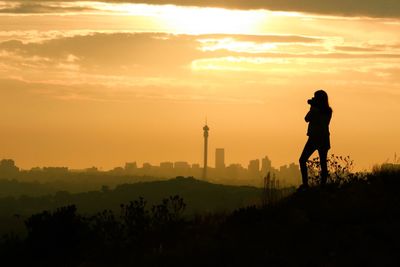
(339, 168)
(57, 236)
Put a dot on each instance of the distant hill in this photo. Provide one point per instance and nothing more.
(15, 188)
(199, 196)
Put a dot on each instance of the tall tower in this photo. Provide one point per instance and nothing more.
(205, 129)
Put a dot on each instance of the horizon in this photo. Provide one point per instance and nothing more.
(85, 83)
(153, 164)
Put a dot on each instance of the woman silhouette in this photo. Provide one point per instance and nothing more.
(318, 119)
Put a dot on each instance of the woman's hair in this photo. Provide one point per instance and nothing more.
(321, 101)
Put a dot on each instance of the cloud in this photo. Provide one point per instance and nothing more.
(133, 59)
(263, 38)
(357, 49)
(369, 47)
(134, 52)
(364, 8)
(162, 50)
(110, 50)
(367, 8)
(39, 8)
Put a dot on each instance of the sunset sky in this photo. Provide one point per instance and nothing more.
(86, 83)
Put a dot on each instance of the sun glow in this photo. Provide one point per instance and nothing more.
(192, 20)
(212, 20)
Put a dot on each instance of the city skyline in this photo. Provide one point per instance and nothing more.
(165, 163)
(252, 173)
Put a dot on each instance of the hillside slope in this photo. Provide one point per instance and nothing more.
(356, 224)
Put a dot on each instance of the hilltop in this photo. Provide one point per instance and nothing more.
(352, 224)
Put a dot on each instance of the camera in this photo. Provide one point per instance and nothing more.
(311, 101)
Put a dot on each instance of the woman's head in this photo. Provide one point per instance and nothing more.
(321, 100)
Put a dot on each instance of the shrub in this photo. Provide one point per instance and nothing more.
(340, 170)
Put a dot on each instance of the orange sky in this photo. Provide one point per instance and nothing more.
(99, 84)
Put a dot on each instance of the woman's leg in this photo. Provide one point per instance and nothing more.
(309, 148)
(323, 155)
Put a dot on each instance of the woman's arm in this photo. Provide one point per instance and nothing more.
(310, 115)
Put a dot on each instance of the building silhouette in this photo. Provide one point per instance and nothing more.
(220, 158)
(266, 166)
(205, 166)
(130, 167)
(182, 168)
(167, 165)
(254, 168)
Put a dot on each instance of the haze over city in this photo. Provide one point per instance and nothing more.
(103, 83)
